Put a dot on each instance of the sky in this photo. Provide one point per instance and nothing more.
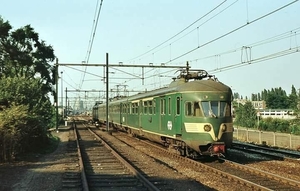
(261, 37)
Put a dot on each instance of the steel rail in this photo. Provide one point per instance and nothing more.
(242, 181)
(85, 186)
(146, 182)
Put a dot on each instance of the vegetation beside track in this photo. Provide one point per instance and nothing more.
(26, 79)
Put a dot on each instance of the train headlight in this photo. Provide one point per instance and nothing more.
(207, 128)
(223, 127)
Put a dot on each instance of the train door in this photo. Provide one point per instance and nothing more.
(122, 106)
(170, 116)
(177, 115)
(140, 112)
(162, 113)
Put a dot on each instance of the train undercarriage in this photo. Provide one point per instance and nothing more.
(215, 149)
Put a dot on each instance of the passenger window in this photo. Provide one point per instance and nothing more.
(206, 108)
(145, 107)
(162, 106)
(197, 110)
(137, 108)
(169, 106)
(178, 106)
(228, 110)
(150, 107)
(214, 108)
(188, 108)
(223, 108)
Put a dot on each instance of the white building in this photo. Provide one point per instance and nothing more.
(277, 113)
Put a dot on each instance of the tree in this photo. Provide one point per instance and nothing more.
(23, 54)
(264, 95)
(293, 99)
(26, 78)
(11, 120)
(236, 95)
(28, 115)
(277, 99)
(258, 97)
(254, 97)
(246, 115)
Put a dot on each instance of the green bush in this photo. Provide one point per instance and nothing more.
(280, 125)
(295, 126)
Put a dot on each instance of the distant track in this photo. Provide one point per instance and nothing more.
(278, 154)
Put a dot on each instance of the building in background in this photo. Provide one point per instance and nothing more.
(263, 112)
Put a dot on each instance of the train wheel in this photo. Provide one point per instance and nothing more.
(182, 151)
(132, 134)
(173, 149)
(129, 132)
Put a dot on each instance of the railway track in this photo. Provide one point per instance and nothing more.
(277, 154)
(71, 179)
(166, 179)
(104, 168)
(256, 178)
(239, 174)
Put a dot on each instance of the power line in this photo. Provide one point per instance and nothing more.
(285, 35)
(257, 60)
(232, 31)
(242, 63)
(288, 51)
(85, 72)
(91, 35)
(94, 32)
(91, 41)
(197, 28)
(179, 31)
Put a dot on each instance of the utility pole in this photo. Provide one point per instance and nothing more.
(56, 82)
(66, 114)
(62, 94)
(107, 89)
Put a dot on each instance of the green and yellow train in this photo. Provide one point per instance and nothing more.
(193, 115)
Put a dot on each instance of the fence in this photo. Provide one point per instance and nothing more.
(282, 140)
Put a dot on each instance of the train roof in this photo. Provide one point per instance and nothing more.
(208, 85)
(187, 81)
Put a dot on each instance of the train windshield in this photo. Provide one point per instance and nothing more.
(215, 109)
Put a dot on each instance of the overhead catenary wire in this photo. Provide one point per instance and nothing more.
(179, 32)
(84, 72)
(257, 60)
(197, 28)
(232, 31)
(274, 55)
(92, 37)
(164, 42)
(285, 35)
(87, 57)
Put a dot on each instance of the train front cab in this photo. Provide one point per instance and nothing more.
(207, 124)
